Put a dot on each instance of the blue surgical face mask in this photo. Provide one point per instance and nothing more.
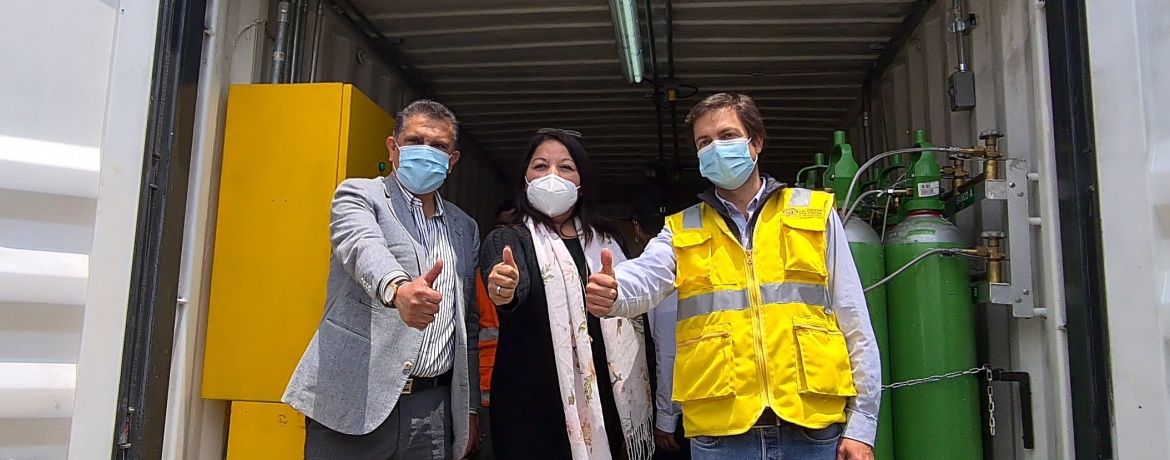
(727, 163)
(422, 168)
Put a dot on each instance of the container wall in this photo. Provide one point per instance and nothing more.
(347, 56)
(1007, 51)
(72, 133)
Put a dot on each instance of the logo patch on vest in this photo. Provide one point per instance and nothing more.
(804, 213)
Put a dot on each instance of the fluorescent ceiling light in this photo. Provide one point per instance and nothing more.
(625, 25)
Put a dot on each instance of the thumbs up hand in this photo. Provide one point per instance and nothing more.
(503, 279)
(602, 291)
(417, 302)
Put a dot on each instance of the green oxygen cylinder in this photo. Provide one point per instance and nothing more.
(925, 175)
(932, 331)
(842, 169)
(869, 257)
(807, 177)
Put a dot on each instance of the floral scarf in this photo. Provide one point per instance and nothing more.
(624, 346)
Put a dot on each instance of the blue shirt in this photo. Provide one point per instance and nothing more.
(741, 220)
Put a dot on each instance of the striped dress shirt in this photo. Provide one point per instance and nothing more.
(438, 343)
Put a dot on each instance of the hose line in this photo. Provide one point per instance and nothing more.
(853, 183)
(852, 209)
(885, 218)
(945, 251)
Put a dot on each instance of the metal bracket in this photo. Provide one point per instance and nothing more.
(1025, 386)
(1016, 291)
(966, 25)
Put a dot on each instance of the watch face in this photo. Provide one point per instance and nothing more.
(388, 294)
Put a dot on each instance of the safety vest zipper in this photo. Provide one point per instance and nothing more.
(756, 305)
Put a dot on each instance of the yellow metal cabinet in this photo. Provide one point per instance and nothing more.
(286, 147)
(265, 431)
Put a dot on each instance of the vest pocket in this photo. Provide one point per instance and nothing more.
(804, 244)
(693, 250)
(702, 366)
(823, 359)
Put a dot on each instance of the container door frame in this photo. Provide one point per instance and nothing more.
(150, 320)
(1080, 229)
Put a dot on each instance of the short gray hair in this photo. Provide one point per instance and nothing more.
(429, 109)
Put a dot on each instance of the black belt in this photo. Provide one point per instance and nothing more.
(416, 384)
(769, 418)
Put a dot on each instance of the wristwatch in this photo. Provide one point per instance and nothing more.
(392, 290)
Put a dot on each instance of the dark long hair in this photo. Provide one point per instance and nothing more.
(586, 207)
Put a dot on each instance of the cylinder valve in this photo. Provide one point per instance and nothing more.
(991, 153)
(995, 256)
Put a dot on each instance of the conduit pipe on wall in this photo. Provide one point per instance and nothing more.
(318, 26)
(279, 51)
(959, 27)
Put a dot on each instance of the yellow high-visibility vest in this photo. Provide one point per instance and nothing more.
(753, 328)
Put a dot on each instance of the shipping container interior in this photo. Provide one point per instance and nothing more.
(81, 122)
(624, 73)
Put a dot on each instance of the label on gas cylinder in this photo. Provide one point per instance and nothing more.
(926, 189)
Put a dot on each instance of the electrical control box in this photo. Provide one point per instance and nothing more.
(286, 147)
(961, 86)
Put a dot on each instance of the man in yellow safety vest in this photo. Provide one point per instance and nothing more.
(776, 357)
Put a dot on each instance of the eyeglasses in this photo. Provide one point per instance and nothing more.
(568, 132)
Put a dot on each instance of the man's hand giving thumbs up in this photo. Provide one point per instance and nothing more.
(602, 290)
(416, 302)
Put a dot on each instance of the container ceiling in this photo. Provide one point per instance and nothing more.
(510, 67)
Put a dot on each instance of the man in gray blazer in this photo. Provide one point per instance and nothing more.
(392, 372)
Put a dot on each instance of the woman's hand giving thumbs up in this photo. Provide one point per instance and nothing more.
(503, 279)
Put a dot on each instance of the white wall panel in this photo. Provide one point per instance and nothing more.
(122, 152)
(1128, 47)
(51, 124)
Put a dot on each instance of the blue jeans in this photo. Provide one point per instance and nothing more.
(786, 442)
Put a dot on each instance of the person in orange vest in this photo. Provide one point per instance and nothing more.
(489, 329)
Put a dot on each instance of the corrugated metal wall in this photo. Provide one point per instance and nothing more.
(1007, 50)
(347, 56)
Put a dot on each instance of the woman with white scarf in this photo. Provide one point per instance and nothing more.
(566, 385)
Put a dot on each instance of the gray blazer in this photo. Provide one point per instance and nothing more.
(354, 369)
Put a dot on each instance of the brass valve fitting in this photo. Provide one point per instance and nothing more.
(995, 256)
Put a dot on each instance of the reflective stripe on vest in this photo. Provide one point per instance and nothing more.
(753, 328)
(693, 217)
(489, 334)
(772, 293)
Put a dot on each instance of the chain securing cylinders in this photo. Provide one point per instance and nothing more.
(991, 375)
(985, 369)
